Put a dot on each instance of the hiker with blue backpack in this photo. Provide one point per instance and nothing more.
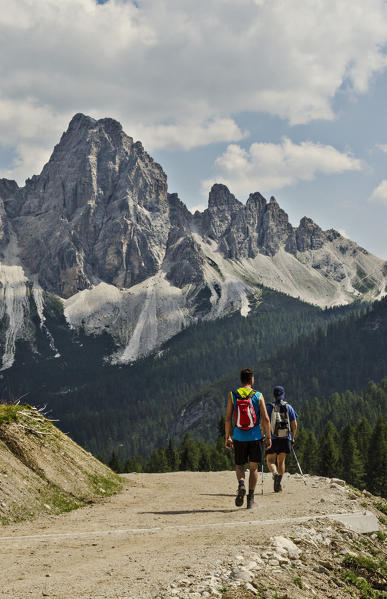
(283, 428)
(247, 408)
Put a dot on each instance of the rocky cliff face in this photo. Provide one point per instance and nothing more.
(98, 211)
(98, 228)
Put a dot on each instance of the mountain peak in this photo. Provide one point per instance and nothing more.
(309, 235)
(80, 120)
(221, 197)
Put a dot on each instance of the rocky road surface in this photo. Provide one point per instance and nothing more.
(165, 535)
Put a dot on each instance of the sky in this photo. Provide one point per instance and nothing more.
(285, 97)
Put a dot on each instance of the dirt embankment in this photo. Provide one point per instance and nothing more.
(42, 470)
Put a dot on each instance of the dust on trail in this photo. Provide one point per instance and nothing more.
(188, 522)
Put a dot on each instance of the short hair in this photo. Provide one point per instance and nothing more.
(247, 376)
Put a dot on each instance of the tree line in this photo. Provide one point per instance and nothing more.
(357, 453)
(104, 407)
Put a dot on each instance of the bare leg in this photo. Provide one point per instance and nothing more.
(281, 463)
(270, 459)
(241, 492)
(240, 472)
(253, 478)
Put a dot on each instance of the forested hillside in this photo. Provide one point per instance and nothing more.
(343, 356)
(133, 408)
(344, 436)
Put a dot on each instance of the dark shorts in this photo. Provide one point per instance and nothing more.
(248, 451)
(280, 446)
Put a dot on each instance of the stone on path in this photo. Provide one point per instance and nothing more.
(362, 522)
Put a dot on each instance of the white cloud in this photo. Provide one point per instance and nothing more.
(188, 135)
(267, 166)
(382, 147)
(379, 195)
(31, 130)
(177, 74)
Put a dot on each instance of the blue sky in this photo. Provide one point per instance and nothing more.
(339, 201)
(285, 98)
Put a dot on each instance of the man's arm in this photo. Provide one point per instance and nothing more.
(293, 426)
(265, 422)
(227, 424)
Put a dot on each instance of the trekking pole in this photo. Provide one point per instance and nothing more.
(298, 464)
(262, 476)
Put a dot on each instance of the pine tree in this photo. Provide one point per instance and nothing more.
(172, 456)
(132, 465)
(221, 427)
(220, 456)
(363, 435)
(377, 460)
(352, 463)
(205, 464)
(158, 461)
(329, 460)
(115, 462)
(300, 448)
(310, 461)
(189, 454)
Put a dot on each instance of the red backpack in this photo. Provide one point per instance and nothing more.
(245, 417)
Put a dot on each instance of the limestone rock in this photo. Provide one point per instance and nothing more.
(339, 481)
(241, 574)
(309, 236)
(284, 545)
(98, 210)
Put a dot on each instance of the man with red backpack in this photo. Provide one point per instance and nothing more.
(247, 407)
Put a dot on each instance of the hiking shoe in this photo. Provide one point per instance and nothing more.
(250, 501)
(277, 483)
(240, 495)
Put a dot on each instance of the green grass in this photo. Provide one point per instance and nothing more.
(361, 584)
(298, 582)
(105, 485)
(9, 412)
(381, 506)
(382, 520)
(60, 501)
(358, 562)
(366, 574)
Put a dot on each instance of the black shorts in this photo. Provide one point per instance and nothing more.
(280, 446)
(248, 451)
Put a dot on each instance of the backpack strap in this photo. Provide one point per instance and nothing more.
(236, 395)
(239, 396)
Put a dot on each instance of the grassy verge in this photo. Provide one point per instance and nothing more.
(105, 485)
(9, 412)
(366, 574)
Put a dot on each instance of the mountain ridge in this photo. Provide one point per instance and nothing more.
(99, 229)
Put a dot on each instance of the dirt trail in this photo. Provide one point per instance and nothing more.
(190, 522)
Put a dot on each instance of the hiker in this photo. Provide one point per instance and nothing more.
(251, 419)
(283, 427)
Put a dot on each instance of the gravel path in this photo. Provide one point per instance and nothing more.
(161, 527)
